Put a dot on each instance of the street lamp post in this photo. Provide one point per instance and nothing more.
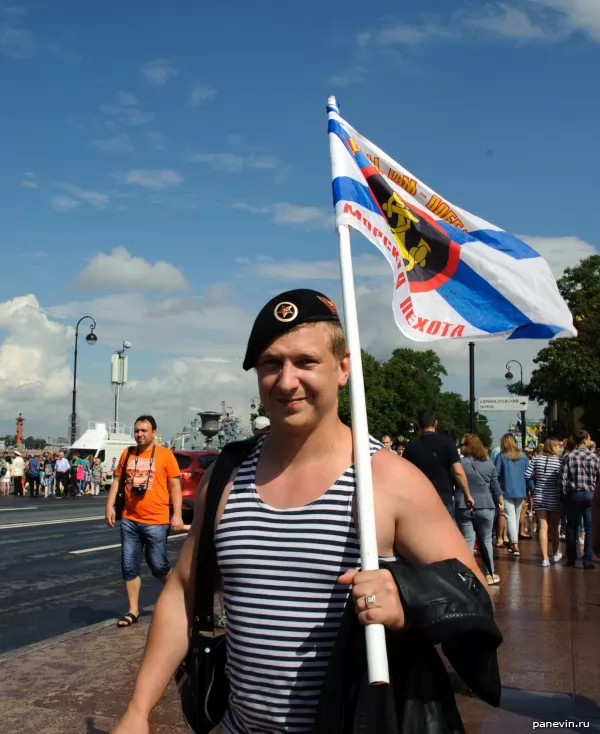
(91, 338)
(509, 376)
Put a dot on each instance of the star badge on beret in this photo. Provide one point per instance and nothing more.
(285, 311)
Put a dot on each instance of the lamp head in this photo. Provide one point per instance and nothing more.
(508, 375)
(126, 345)
(253, 405)
(91, 338)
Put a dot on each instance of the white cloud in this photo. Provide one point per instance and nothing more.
(235, 163)
(580, 15)
(94, 198)
(14, 11)
(120, 270)
(30, 181)
(17, 42)
(32, 356)
(510, 22)
(64, 203)
(345, 79)
(292, 214)
(533, 21)
(560, 252)
(116, 144)
(153, 179)
(201, 93)
(158, 72)
(127, 100)
(365, 266)
(157, 141)
(204, 369)
(126, 111)
(285, 213)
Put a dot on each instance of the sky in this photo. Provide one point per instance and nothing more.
(165, 169)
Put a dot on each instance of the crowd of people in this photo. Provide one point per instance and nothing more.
(503, 495)
(50, 475)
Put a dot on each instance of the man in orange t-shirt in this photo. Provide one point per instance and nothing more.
(151, 484)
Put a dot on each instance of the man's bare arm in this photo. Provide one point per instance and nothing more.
(168, 637)
(424, 531)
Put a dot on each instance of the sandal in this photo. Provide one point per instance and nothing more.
(492, 580)
(127, 620)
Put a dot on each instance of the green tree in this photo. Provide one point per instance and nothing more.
(568, 370)
(9, 440)
(397, 390)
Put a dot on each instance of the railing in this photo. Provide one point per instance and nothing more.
(122, 428)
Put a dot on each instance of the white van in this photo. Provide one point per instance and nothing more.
(106, 444)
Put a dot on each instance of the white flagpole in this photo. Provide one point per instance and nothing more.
(377, 661)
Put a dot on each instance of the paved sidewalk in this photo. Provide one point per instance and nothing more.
(549, 664)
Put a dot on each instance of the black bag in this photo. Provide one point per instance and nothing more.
(120, 498)
(201, 680)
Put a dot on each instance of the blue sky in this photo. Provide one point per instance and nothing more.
(165, 168)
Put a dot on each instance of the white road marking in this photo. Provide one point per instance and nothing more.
(17, 509)
(116, 545)
(50, 522)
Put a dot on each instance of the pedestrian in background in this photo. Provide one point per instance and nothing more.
(5, 476)
(18, 473)
(33, 476)
(544, 470)
(261, 424)
(579, 478)
(48, 477)
(478, 520)
(511, 466)
(151, 484)
(78, 475)
(97, 477)
(62, 469)
(437, 457)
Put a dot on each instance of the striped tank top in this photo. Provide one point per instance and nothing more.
(283, 606)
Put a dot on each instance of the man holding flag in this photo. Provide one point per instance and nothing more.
(287, 536)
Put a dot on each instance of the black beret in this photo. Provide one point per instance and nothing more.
(285, 312)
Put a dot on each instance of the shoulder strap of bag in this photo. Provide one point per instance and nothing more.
(207, 573)
(485, 483)
(123, 476)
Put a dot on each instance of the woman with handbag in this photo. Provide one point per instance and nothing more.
(547, 501)
(511, 465)
(478, 519)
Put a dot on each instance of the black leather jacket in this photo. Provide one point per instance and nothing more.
(445, 604)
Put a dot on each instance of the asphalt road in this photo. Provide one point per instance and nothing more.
(56, 573)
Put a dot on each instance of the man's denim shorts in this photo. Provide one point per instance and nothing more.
(138, 535)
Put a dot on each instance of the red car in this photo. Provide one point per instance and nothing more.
(193, 464)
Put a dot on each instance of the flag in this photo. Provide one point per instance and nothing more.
(455, 276)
